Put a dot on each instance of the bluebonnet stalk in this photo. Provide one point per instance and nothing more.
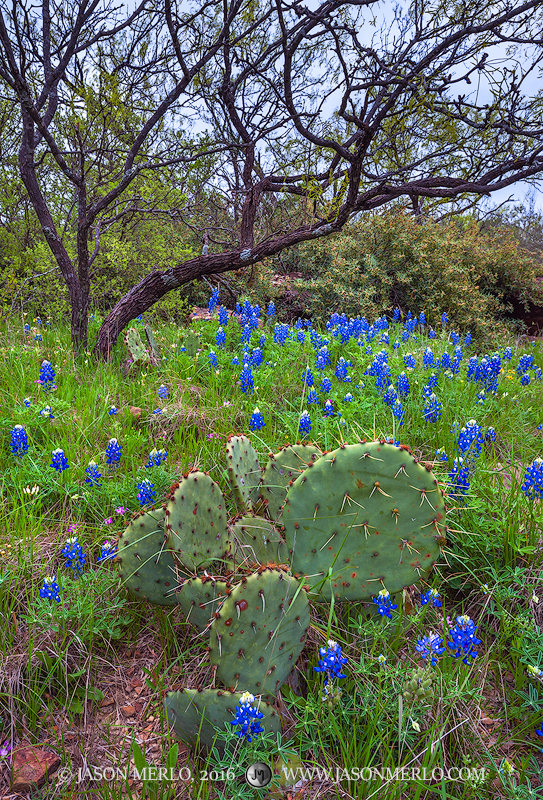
(431, 334)
(19, 441)
(431, 644)
(341, 369)
(271, 309)
(444, 319)
(27, 402)
(312, 397)
(74, 555)
(46, 412)
(463, 639)
(409, 361)
(432, 597)
(156, 458)
(459, 479)
(402, 385)
(234, 362)
(113, 453)
(93, 475)
(328, 409)
(220, 338)
(112, 411)
(428, 358)
(280, 333)
(385, 606)
(533, 479)
(432, 409)
(50, 589)
(146, 492)
(212, 358)
(257, 357)
(390, 396)
(398, 410)
(467, 340)
(348, 398)
(38, 337)
(162, 391)
(247, 716)
(305, 423)
(47, 376)
(59, 461)
(246, 378)
(108, 550)
(257, 421)
(307, 377)
(325, 385)
(330, 662)
(213, 301)
(223, 316)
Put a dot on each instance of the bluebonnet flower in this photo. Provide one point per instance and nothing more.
(525, 379)
(156, 458)
(280, 333)
(348, 398)
(247, 716)
(328, 409)
(271, 309)
(220, 338)
(508, 353)
(533, 479)
(402, 385)
(307, 377)
(162, 391)
(431, 334)
(93, 475)
(432, 409)
(257, 421)
(112, 411)
(234, 362)
(395, 345)
(223, 316)
(405, 336)
(38, 337)
(27, 402)
(422, 318)
(444, 319)
(59, 461)
(396, 315)
(108, 550)
(212, 358)
(146, 492)
(463, 638)
(312, 397)
(538, 375)
(113, 453)
(398, 410)
(27, 328)
(46, 412)
(50, 589)
(341, 369)
(213, 300)
(442, 455)
(47, 376)
(246, 334)
(300, 337)
(455, 338)
(325, 385)
(246, 378)
(459, 479)
(390, 396)
(428, 358)
(431, 596)
(257, 357)
(480, 398)
(19, 441)
(431, 644)
(490, 435)
(386, 607)
(305, 423)
(409, 361)
(467, 340)
(330, 662)
(74, 555)
(534, 672)
(157, 411)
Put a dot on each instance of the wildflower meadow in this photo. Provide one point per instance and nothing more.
(157, 547)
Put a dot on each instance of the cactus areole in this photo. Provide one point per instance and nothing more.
(362, 518)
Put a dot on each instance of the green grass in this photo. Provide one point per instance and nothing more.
(68, 670)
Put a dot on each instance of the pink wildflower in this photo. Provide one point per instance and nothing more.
(108, 521)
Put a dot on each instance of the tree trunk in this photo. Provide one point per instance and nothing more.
(157, 284)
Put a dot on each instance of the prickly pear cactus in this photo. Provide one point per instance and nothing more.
(135, 345)
(258, 542)
(259, 632)
(192, 343)
(243, 469)
(200, 598)
(196, 521)
(282, 468)
(198, 715)
(369, 516)
(144, 562)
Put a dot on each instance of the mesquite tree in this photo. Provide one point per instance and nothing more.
(307, 118)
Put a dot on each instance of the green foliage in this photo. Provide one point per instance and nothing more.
(389, 260)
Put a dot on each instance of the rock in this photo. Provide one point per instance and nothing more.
(135, 411)
(128, 711)
(32, 767)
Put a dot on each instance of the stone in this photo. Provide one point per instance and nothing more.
(32, 767)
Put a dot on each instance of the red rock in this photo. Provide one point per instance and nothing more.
(32, 766)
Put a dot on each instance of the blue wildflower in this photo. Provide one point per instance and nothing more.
(257, 421)
(59, 461)
(328, 409)
(74, 555)
(533, 479)
(402, 385)
(398, 410)
(409, 361)
(431, 644)
(348, 398)
(247, 716)
(162, 391)
(432, 409)
(271, 309)
(325, 385)
(431, 596)
(93, 475)
(246, 378)
(46, 412)
(113, 453)
(312, 397)
(50, 589)
(330, 662)
(307, 377)
(112, 411)
(27, 402)
(19, 441)
(459, 479)
(212, 358)
(383, 601)
(108, 550)
(47, 376)
(156, 458)
(146, 492)
(463, 638)
(444, 319)
(305, 423)
(213, 300)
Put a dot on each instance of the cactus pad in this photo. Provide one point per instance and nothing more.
(202, 714)
(244, 471)
(259, 632)
(144, 562)
(258, 542)
(199, 598)
(282, 468)
(370, 514)
(135, 345)
(192, 343)
(196, 521)
(152, 342)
